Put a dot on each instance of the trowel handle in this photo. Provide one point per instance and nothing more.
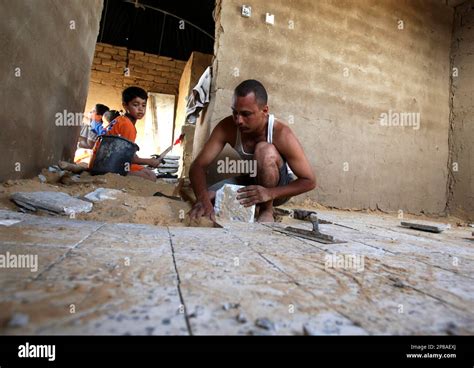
(314, 220)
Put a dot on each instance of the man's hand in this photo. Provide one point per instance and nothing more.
(254, 194)
(202, 208)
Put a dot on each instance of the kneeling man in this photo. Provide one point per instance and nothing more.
(256, 135)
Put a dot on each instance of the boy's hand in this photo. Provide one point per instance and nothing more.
(153, 162)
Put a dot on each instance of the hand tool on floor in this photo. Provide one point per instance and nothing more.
(298, 214)
(313, 234)
(159, 194)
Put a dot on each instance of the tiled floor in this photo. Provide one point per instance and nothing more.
(100, 278)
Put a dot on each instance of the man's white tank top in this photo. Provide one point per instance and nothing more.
(238, 142)
(249, 156)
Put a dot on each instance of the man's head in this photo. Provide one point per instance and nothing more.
(249, 106)
(134, 101)
(97, 112)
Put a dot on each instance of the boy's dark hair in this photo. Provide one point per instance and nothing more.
(130, 93)
(252, 85)
(111, 115)
(101, 109)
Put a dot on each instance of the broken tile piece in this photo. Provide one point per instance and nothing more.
(425, 226)
(227, 207)
(9, 222)
(18, 320)
(265, 323)
(228, 306)
(241, 318)
(53, 202)
(328, 323)
(101, 194)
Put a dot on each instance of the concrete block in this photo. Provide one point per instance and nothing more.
(141, 58)
(135, 62)
(109, 62)
(119, 57)
(138, 69)
(103, 55)
(154, 59)
(110, 50)
(227, 207)
(102, 68)
(118, 70)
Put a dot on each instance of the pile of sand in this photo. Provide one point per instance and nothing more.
(136, 203)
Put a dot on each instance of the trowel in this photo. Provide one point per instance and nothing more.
(313, 234)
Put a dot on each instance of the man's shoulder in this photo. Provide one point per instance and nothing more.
(227, 122)
(227, 126)
(281, 128)
(282, 135)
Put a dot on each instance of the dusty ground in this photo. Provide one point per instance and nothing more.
(136, 204)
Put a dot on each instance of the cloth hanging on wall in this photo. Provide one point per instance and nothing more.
(199, 97)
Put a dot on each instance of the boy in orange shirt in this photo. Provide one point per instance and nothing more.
(134, 102)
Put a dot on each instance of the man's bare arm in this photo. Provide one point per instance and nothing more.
(153, 162)
(197, 171)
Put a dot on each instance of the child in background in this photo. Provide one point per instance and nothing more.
(91, 131)
(89, 134)
(108, 117)
(134, 101)
(96, 119)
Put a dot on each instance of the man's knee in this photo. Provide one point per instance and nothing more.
(266, 155)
